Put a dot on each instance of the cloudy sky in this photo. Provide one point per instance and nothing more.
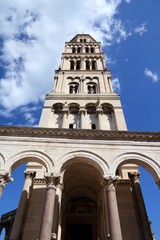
(32, 36)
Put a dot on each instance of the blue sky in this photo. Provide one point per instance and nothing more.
(32, 36)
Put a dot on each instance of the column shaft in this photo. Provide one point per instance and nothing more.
(100, 124)
(46, 228)
(146, 230)
(16, 229)
(64, 120)
(47, 220)
(114, 220)
(82, 119)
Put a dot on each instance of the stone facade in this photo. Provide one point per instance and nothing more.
(82, 180)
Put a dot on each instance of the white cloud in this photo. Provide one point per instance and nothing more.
(116, 85)
(34, 33)
(141, 29)
(153, 76)
(128, 1)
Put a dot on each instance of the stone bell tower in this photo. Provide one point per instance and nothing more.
(81, 180)
(82, 97)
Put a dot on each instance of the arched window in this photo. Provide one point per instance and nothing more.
(73, 50)
(72, 65)
(87, 49)
(78, 65)
(81, 40)
(93, 65)
(87, 65)
(73, 88)
(92, 50)
(92, 88)
(91, 109)
(78, 49)
(84, 40)
(58, 108)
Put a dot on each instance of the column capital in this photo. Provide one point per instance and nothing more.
(52, 180)
(134, 176)
(5, 177)
(111, 182)
(82, 111)
(29, 174)
(99, 110)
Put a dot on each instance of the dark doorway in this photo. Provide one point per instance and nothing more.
(80, 231)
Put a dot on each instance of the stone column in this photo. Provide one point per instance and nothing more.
(82, 119)
(114, 220)
(57, 225)
(5, 177)
(65, 114)
(141, 210)
(100, 122)
(16, 229)
(46, 228)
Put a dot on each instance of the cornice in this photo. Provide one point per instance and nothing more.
(80, 96)
(86, 134)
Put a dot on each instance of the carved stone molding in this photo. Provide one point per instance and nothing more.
(29, 174)
(5, 177)
(79, 134)
(111, 182)
(134, 176)
(52, 180)
(39, 181)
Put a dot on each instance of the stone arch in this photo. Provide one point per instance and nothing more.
(84, 156)
(30, 156)
(139, 159)
(2, 161)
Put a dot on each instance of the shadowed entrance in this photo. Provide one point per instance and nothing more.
(81, 231)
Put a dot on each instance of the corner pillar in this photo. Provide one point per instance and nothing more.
(5, 177)
(46, 228)
(145, 225)
(114, 220)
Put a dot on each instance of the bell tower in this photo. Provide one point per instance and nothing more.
(82, 95)
(81, 179)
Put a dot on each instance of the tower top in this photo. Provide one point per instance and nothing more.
(82, 38)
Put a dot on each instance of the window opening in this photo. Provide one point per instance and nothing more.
(73, 50)
(91, 89)
(78, 65)
(87, 65)
(87, 50)
(71, 65)
(93, 126)
(92, 49)
(93, 65)
(71, 126)
(73, 88)
(78, 49)
(84, 40)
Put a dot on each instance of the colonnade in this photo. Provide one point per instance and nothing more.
(99, 122)
(53, 183)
